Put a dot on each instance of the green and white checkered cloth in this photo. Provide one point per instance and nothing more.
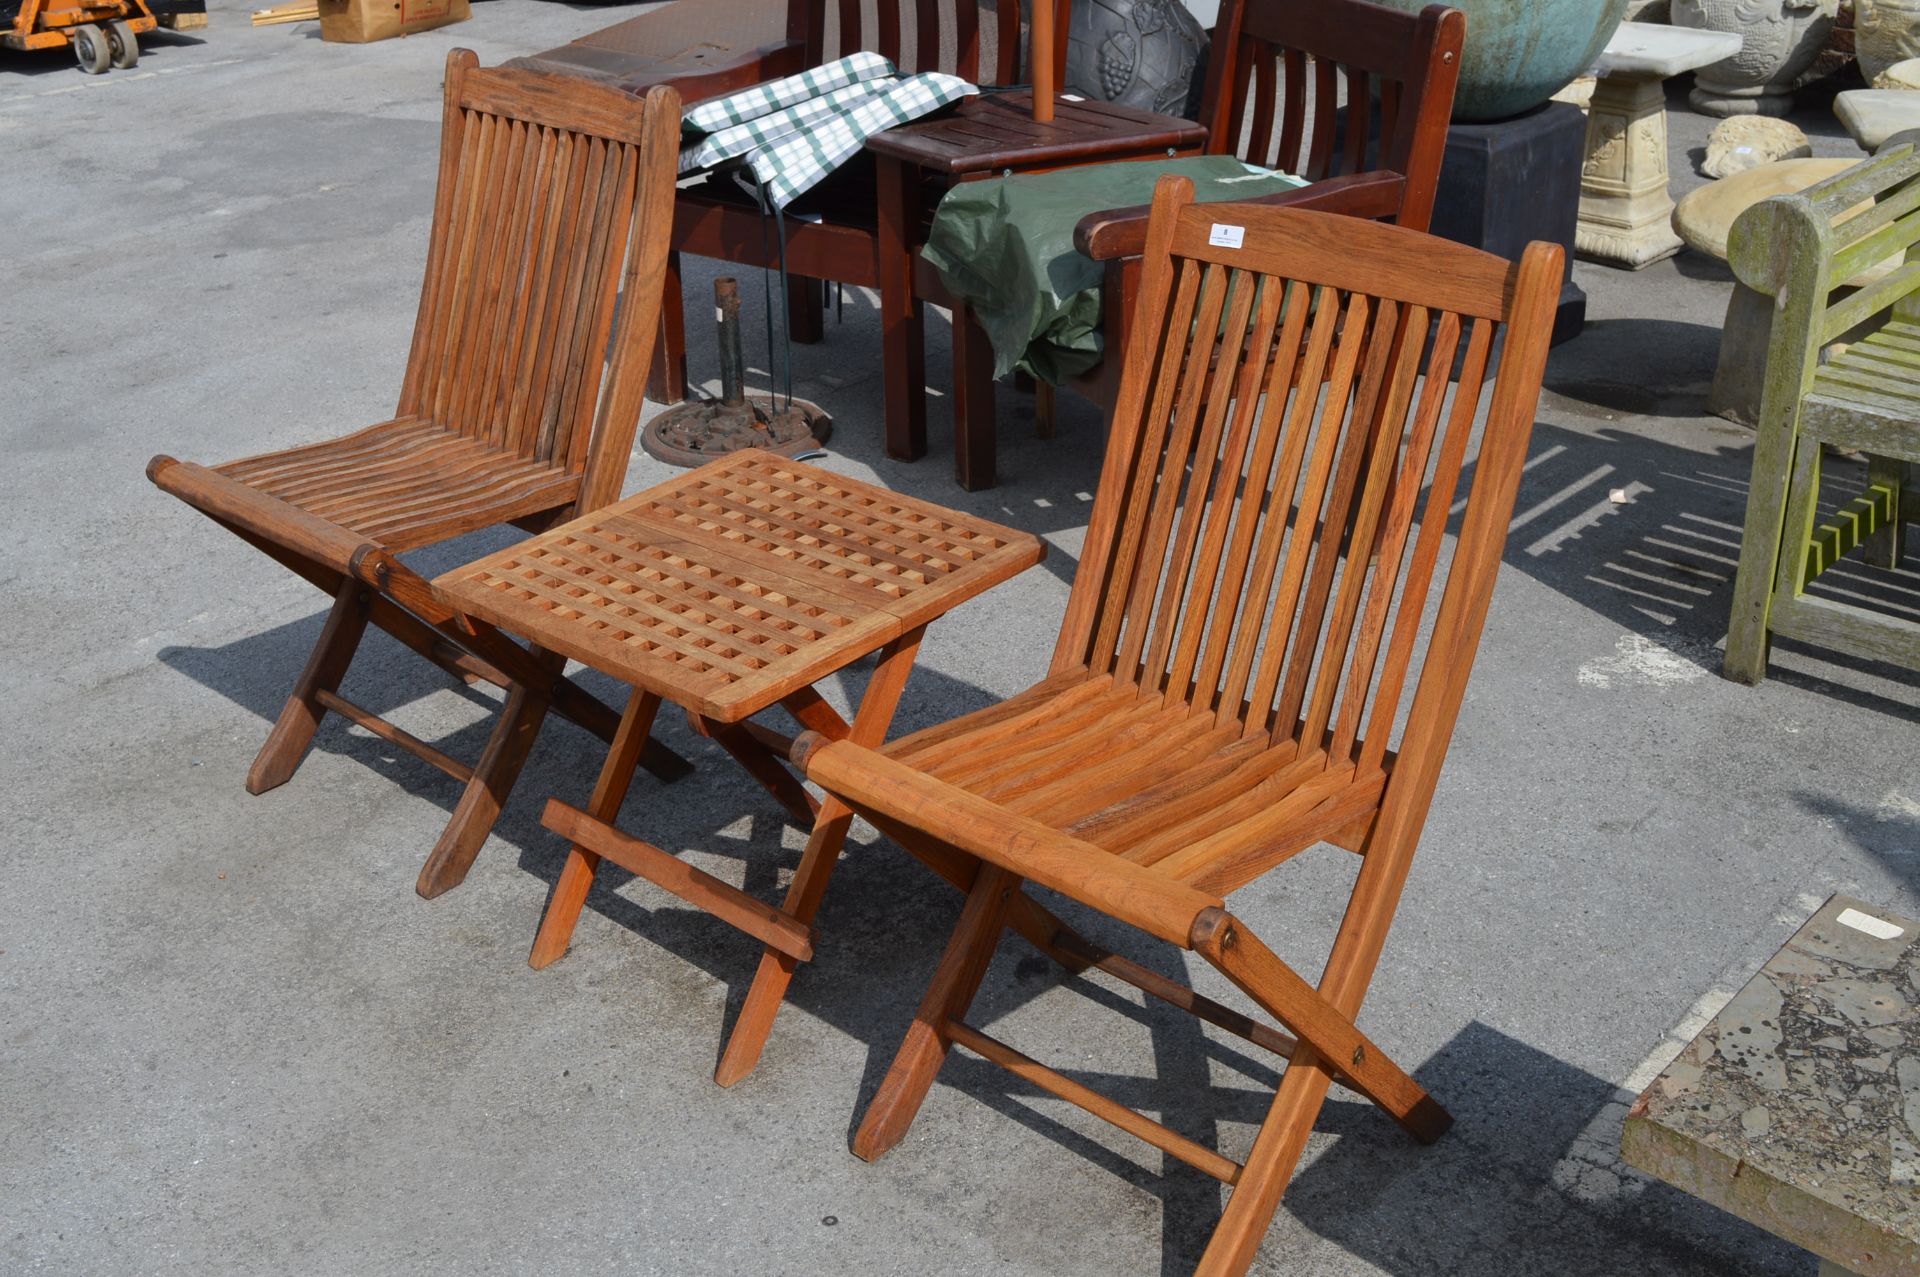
(794, 132)
(777, 95)
(730, 143)
(790, 167)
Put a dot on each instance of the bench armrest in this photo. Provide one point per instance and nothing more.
(889, 793)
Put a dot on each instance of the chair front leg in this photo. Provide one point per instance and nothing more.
(300, 717)
(955, 981)
(1269, 1166)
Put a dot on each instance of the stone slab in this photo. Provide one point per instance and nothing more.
(1798, 1107)
(1648, 50)
(1874, 115)
(1706, 214)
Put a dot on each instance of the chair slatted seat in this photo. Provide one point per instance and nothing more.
(1266, 648)
(408, 483)
(518, 406)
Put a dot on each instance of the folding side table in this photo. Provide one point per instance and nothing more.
(728, 590)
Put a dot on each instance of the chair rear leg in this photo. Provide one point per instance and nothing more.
(955, 981)
(300, 718)
(486, 793)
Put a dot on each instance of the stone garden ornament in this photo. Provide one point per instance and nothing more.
(1148, 54)
(1885, 32)
(1743, 142)
(1782, 38)
(1519, 53)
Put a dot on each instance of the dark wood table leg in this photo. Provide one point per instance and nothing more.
(903, 346)
(667, 379)
(973, 408)
(809, 884)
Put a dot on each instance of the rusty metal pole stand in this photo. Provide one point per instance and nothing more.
(695, 432)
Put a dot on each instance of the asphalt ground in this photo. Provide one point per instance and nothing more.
(233, 1040)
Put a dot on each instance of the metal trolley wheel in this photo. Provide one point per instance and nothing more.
(92, 49)
(123, 42)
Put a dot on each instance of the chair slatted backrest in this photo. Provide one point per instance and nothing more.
(1292, 434)
(959, 37)
(1285, 75)
(549, 186)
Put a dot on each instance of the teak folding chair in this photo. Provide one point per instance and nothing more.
(552, 191)
(1243, 630)
(1279, 78)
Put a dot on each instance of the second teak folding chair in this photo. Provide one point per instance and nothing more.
(552, 191)
(1266, 647)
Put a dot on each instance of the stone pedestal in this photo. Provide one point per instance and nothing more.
(1507, 183)
(1625, 211)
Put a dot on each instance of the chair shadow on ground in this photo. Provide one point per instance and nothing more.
(1647, 534)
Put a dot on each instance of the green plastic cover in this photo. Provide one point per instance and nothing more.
(1005, 247)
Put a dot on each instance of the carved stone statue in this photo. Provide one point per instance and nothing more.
(1782, 39)
(1143, 53)
(1885, 32)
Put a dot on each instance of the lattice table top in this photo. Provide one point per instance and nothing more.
(741, 582)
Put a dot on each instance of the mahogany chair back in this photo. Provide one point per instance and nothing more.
(951, 36)
(1286, 77)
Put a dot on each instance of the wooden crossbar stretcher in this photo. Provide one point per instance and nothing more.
(102, 33)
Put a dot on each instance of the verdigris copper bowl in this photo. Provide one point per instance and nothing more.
(1522, 52)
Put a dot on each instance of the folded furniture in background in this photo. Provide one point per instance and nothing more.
(1266, 648)
(553, 192)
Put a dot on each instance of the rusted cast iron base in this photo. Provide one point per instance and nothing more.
(695, 432)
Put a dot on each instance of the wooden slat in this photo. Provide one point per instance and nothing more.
(393, 735)
(1169, 1141)
(702, 890)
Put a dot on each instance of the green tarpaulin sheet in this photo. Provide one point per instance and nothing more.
(1005, 247)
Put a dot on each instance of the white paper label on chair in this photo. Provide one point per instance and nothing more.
(1227, 236)
(1878, 928)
